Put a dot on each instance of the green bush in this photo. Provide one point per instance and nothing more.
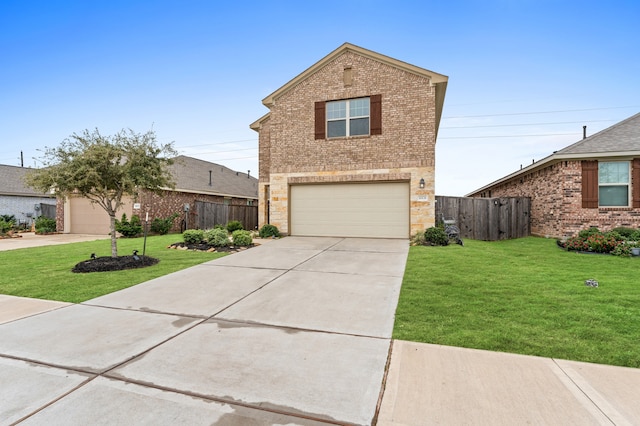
(585, 233)
(193, 236)
(268, 231)
(241, 237)
(217, 237)
(625, 232)
(219, 226)
(129, 229)
(5, 225)
(8, 218)
(162, 226)
(436, 236)
(45, 225)
(234, 225)
(635, 236)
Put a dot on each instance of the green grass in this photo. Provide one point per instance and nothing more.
(522, 296)
(45, 272)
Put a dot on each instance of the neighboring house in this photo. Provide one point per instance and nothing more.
(594, 182)
(18, 199)
(348, 148)
(195, 181)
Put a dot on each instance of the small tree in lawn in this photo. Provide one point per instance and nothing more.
(105, 169)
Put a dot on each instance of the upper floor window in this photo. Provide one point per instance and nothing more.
(613, 183)
(348, 118)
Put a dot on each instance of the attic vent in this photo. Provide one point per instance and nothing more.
(347, 76)
(210, 178)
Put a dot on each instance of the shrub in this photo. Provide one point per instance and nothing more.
(193, 236)
(436, 236)
(162, 226)
(576, 244)
(5, 225)
(129, 229)
(45, 225)
(599, 243)
(269, 230)
(234, 225)
(217, 237)
(241, 237)
(587, 232)
(625, 232)
(635, 236)
(219, 226)
(623, 250)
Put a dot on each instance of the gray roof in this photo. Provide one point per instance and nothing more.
(12, 182)
(192, 175)
(621, 137)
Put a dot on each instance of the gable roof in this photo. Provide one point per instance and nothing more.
(620, 140)
(12, 182)
(439, 80)
(192, 175)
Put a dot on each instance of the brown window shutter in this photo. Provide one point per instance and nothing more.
(375, 103)
(635, 181)
(590, 184)
(321, 124)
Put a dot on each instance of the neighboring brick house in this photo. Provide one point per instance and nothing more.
(348, 148)
(594, 182)
(19, 200)
(195, 180)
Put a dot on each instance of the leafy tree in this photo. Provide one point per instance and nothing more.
(105, 169)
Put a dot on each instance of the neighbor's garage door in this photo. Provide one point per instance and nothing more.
(379, 210)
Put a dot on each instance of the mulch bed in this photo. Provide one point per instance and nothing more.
(120, 263)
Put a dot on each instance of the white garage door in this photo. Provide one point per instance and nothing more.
(379, 210)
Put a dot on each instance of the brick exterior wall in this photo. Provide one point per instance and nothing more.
(163, 205)
(289, 151)
(556, 202)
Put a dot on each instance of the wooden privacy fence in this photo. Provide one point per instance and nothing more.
(487, 219)
(210, 214)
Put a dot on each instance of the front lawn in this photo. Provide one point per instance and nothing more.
(45, 272)
(523, 296)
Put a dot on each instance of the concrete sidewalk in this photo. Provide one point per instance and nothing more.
(432, 384)
(296, 331)
(31, 239)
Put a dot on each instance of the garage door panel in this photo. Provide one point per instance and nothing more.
(351, 210)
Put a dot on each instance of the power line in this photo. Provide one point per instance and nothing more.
(540, 112)
(227, 151)
(508, 136)
(219, 143)
(525, 124)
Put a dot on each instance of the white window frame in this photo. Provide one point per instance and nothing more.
(347, 118)
(627, 184)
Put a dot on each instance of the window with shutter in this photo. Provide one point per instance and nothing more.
(350, 117)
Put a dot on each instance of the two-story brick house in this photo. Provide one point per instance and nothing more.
(593, 182)
(348, 148)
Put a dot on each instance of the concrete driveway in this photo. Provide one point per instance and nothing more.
(296, 331)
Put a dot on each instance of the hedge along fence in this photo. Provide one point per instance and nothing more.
(488, 219)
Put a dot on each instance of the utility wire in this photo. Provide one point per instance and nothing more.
(540, 112)
(507, 136)
(525, 124)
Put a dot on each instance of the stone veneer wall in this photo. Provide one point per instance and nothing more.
(556, 202)
(288, 149)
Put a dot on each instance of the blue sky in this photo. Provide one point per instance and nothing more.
(524, 76)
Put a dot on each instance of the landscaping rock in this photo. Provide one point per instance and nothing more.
(591, 283)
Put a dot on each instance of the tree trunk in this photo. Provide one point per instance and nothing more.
(114, 244)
